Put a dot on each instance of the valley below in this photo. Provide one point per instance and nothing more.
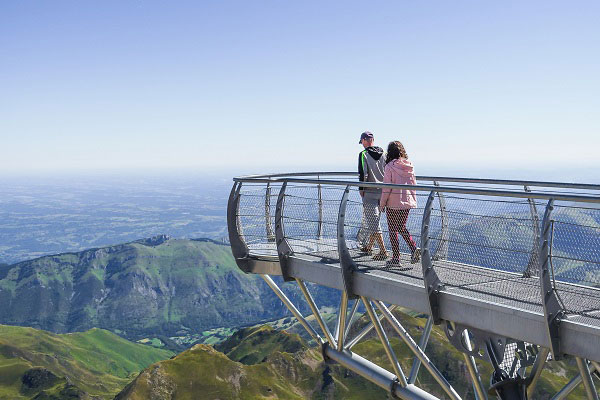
(201, 325)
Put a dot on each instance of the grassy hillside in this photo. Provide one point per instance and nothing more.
(261, 362)
(157, 286)
(287, 371)
(96, 362)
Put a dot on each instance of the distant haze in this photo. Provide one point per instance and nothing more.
(240, 86)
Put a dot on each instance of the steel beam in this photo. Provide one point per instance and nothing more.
(385, 342)
(316, 313)
(336, 333)
(377, 375)
(536, 370)
(480, 392)
(588, 383)
(569, 387)
(417, 351)
(349, 319)
(290, 306)
(343, 312)
(365, 331)
(414, 371)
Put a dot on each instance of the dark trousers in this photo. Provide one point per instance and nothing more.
(397, 223)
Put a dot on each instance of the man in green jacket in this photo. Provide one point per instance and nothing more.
(371, 164)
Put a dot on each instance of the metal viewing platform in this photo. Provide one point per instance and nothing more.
(510, 269)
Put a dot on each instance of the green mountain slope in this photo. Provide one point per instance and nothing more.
(79, 365)
(289, 370)
(261, 362)
(157, 286)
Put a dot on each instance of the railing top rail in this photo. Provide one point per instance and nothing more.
(443, 189)
(487, 181)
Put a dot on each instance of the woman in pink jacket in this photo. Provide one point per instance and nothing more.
(398, 202)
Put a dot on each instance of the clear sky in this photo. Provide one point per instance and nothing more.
(280, 85)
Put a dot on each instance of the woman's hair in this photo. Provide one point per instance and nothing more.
(395, 150)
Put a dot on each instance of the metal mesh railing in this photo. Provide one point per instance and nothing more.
(310, 216)
(483, 244)
(575, 258)
(256, 216)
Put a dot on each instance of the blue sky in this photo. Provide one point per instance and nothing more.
(274, 86)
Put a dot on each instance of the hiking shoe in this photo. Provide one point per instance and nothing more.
(380, 256)
(366, 252)
(394, 262)
(416, 256)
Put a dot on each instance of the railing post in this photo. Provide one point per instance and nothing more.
(346, 262)
(441, 252)
(430, 278)
(533, 265)
(268, 226)
(284, 251)
(553, 310)
(238, 245)
(320, 223)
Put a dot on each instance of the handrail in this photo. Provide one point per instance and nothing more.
(443, 189)
(487, 181)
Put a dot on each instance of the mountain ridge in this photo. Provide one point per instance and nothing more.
(153, 286)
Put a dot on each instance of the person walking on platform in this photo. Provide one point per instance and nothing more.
(398, 202)
(371, 164)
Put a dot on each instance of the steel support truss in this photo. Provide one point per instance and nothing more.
(511, 379)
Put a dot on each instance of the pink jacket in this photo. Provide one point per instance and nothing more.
(399, 171)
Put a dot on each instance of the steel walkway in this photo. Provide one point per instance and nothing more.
(505, 266)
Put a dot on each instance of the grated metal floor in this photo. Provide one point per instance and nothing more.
(483, 284)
